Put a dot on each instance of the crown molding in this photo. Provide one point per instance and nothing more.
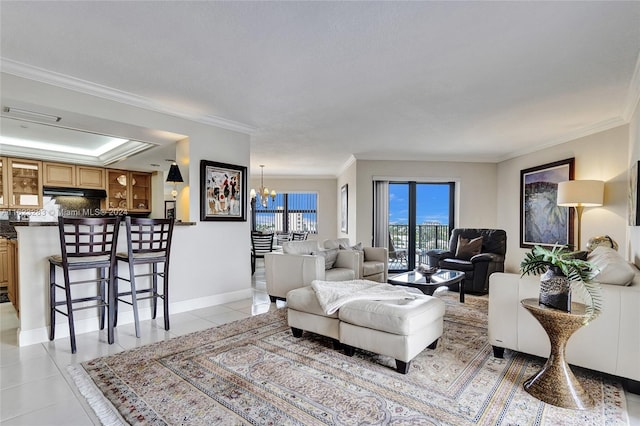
(19, 69)
(579, 133)
(633, 96)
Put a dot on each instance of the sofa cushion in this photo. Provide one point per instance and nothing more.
(613, 268)
(468, 247)
(300, 247)
(340, 274)
(336, 243)
(304, 299)
(330, 256)
(372, 267)
(456, 264)
(404, 316)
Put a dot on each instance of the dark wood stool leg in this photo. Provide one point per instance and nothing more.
(102, 285)
(67, 290)
(154, 290)
(113, 304)
(134, 298)
(52, 301)
(165, 295)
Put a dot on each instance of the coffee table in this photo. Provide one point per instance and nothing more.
(442, 278)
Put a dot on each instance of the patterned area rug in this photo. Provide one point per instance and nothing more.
(254, 371)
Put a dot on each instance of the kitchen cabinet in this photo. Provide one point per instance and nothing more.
(73, 176)
(12, 274)
(128, 190)
(4, 195)
(24, 185)
(59, 174)
(90, 177)
(4, 262)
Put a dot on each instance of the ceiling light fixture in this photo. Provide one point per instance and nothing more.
(32, 115)
(263, 193)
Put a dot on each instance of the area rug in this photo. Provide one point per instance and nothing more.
(254, 371)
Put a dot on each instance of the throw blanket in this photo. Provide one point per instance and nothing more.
(333, 294)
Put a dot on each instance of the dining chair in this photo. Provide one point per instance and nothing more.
(260, 244)
(148, 243)
(299, 236)
(89, 244)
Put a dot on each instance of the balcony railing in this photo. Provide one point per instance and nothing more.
(428, 237)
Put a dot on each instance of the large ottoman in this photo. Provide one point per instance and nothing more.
(397, 328)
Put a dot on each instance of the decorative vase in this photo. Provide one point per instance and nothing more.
(555, 289)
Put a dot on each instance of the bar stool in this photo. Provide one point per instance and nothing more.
(148, 243)
(85, 243)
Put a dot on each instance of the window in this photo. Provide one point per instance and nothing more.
(289, 212)
(420, 218)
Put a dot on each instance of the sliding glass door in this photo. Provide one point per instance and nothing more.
(420, 219)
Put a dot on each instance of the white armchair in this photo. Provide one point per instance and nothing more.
(301, 262)
(373, 261)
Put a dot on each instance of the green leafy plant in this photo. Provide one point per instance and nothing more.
(579, 272)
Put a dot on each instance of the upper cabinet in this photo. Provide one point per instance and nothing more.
(70, 175)
(24, 184)
(4, 197)
(127, 190)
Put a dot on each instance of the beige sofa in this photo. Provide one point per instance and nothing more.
(301, 262)
(374, 261)
(610, 343)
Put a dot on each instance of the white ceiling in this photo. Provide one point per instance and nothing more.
(319, 82)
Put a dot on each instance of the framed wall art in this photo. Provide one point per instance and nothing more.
(634, 195)
(344, 208)
(542, 221)
(222, 191)
(170, 209)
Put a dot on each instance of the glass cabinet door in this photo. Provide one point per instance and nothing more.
(25, 183)
(140, 191)
(117, 190)
(4, 199)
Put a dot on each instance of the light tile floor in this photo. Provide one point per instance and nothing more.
(35, 388)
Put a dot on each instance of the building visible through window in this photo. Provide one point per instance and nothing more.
(289, 212)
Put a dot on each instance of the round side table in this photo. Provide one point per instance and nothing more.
(555, 384)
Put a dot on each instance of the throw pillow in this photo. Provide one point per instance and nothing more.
(467, 248)
(357, 247)
(330, 256)
(613, 268)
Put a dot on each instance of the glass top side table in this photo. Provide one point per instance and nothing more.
(555, 383)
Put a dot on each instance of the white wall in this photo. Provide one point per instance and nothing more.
(602, 156)
(215, 258)
(634, 157)
(476, 190)
(327, 202)
(348, 177)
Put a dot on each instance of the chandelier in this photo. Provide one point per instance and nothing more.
(263, 194)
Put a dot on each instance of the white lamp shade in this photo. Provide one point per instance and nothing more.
(586, 193)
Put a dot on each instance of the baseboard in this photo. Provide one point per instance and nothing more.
(40, 335)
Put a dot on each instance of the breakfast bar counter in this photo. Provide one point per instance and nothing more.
(192, 284)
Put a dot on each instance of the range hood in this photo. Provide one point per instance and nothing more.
(74, 192)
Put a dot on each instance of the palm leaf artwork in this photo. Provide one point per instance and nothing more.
(579, 272)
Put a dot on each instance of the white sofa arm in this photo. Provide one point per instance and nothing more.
(378, 254)
(285, 272)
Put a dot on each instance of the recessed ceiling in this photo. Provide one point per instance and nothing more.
(323, 81)
(76, 138)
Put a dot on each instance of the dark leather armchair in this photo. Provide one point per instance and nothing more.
(476, 267)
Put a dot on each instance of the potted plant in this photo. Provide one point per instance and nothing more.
(560, 269)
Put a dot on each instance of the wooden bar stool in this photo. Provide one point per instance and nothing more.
(148, 243)
(85, 243)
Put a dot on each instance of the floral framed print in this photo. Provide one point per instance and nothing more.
(542, 221)
(223, 189)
